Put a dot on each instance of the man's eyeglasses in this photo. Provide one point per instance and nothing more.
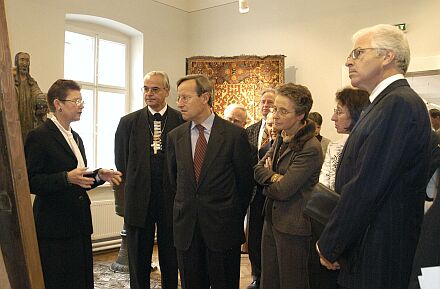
(282, 111)
(154, 89)
(77, 101)
(357, 52)
(184, 98)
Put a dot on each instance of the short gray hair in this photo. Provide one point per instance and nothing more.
(266, 90)
(391, 38)
(166, 80)
(233, 106)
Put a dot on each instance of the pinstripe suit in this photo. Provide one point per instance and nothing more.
(382, 176)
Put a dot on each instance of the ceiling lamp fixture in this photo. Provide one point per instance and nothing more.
(243, 6)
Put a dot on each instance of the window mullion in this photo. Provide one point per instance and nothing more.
(95, 102)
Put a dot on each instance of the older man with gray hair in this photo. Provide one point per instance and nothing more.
(140, 142)
(373, 231)
(236, 113)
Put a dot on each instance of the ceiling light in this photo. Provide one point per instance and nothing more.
(243, 6)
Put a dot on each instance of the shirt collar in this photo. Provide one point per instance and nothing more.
(54, 119)
(384, 84)
(207, 123)
(162, 111)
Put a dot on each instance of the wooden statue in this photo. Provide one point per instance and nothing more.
(32, 104)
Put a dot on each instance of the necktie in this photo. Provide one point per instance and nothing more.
(199, 153)
(265, 138)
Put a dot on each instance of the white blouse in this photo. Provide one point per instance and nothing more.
(328, 170)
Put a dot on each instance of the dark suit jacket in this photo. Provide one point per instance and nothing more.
(219, 202)
(253, 131)
(428, 249)
(382, 176)
(132, 158)
(300, 165)
(61, 210)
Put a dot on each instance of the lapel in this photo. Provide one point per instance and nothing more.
(58, 136)
(379, 98)
(184, 149)
(277, 145)
(142, 136)
(80, 146)
(215, 143)
(174, 119)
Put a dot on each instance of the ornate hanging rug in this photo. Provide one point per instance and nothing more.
(239, 79)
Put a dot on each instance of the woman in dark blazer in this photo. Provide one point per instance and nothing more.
(288, 172)
(59, 178)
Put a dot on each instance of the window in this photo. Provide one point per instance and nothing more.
(98, 62)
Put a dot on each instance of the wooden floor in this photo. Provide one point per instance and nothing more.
(245, 268)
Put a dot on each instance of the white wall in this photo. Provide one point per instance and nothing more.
(314, 35)
(37, 27)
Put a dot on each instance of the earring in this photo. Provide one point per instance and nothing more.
(60, 110)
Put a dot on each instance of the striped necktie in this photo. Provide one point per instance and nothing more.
(199, 153)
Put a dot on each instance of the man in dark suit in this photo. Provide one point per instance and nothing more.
(140, 143)
(259, 137)
(372, 233)
(210, 170)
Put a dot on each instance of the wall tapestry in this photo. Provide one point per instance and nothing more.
(239, 79)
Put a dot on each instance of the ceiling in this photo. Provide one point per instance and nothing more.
(195, 5)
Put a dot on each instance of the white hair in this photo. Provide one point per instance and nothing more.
(230, 108)
(166, 81)
(391, 38)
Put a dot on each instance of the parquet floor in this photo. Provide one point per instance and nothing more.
(245, 268)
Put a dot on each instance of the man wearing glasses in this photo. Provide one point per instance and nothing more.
(372, 234)
(140, 143)
(210, 170)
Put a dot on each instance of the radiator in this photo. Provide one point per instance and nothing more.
(106, 225)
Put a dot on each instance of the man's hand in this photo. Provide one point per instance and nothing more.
(326, 263)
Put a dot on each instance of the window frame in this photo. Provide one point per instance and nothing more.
(99, 32)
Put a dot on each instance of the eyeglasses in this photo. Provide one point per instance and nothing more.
(77, 101)
(338, 111)
(184, 98)
(357, 52)
(154, 89)
(282, 111)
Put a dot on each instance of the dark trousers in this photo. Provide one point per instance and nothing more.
(256, 221)
(202, 268)
(67, 263)
(284, 259)
(140, 250)
(320, 277)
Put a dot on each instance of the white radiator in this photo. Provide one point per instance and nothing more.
(106, 225)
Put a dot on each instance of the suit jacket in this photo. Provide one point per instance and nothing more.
(61, 210)
(219, 202)
(132, 158)
(428, 249)
(300, 165)
(253, 131)
(382, 177)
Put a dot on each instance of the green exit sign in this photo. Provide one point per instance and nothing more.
(401, 26)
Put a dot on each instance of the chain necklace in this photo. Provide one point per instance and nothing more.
(156, 134)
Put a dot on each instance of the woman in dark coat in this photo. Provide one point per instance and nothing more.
(288, 173)
(59, 178)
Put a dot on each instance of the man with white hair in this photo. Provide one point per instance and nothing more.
(236, 113)
(140, 143)
(373, 231)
